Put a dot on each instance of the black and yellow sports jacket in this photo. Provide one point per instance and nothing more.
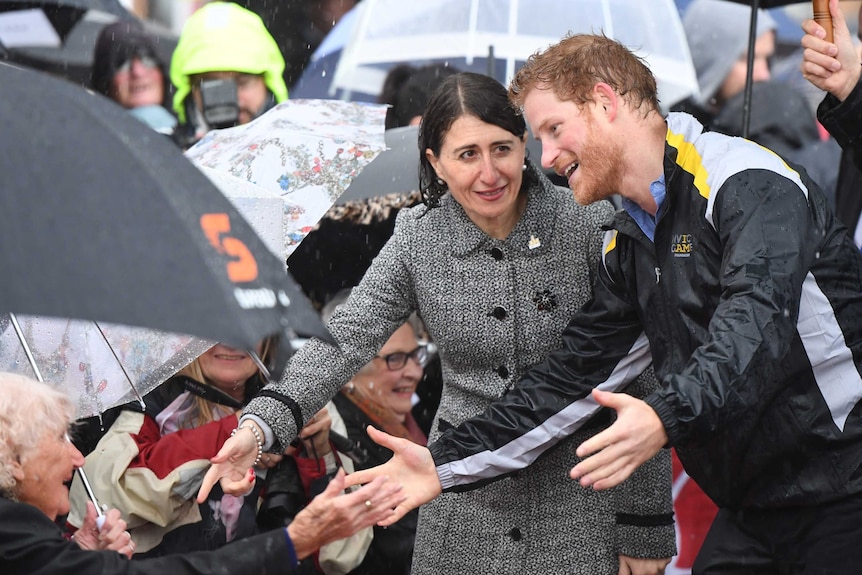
(749, 304)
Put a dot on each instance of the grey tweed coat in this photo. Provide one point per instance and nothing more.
(493, 308)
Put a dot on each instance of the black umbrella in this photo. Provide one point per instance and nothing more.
(102, 218)
(820, 10)
(78, 24)
(64, 14)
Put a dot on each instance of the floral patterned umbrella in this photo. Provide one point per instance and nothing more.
(98, 365)
(305, 151)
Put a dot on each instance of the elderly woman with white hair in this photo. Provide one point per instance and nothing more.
(37, 459)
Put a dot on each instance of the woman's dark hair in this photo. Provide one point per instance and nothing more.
(464, 94)
(407, 90)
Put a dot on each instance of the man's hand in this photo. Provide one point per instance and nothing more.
(333, 515)
(411, 466)
(231, 465)
(638, 566)
(833, 67)
(112, 536)
(634, 437)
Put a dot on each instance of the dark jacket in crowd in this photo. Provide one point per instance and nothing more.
(782, 121)
(32, 544)
(844, 121)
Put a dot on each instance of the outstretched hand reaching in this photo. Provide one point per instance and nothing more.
(334, 515)
(231, 466)
(411, 466)
(616, 452)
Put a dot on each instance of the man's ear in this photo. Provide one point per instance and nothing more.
(606, 99)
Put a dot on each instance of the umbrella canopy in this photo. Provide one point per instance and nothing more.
(306, 152)
(99, 366)
(72, 59)
(102, 218)
(395, 171)
(767, 3)
(465, 33)
(64, 14)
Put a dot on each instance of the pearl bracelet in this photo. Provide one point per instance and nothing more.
(257, 439)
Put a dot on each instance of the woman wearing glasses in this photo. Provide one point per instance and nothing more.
(381, 394)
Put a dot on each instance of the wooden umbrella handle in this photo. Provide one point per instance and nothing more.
(823, 17)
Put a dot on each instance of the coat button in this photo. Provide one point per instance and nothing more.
(503, 371)
(496, 253)
(515, 534)
(499, 313)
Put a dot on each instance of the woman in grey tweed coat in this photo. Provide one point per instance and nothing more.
(495, 267)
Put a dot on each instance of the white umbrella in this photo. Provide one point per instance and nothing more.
(305, 152)
(466, 32)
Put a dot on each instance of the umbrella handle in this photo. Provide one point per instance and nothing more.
(822, 16)
(100, 515)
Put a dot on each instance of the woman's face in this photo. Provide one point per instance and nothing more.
(226, 367)
(483, 165)
(393, 388)
(42, 475)
(139, 82)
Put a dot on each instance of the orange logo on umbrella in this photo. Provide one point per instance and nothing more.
(242, 267)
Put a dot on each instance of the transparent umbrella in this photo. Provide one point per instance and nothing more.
(494, 37)
(99, 365)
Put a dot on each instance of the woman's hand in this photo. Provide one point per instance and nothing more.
(232, 465)
(112, 536)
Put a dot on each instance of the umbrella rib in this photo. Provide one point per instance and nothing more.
(264, 371)
(122, 367)
(23, 340)
(473, 27)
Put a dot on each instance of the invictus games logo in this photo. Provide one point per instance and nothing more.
(680, 245)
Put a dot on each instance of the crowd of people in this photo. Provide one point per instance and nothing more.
(712, 321)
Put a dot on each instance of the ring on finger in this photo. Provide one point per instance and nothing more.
(368, 504)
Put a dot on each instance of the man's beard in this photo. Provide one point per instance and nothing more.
(603, 162)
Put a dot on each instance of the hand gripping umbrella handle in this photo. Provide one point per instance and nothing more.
(822, 16)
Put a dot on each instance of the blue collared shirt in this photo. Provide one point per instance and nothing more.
(645, 220)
